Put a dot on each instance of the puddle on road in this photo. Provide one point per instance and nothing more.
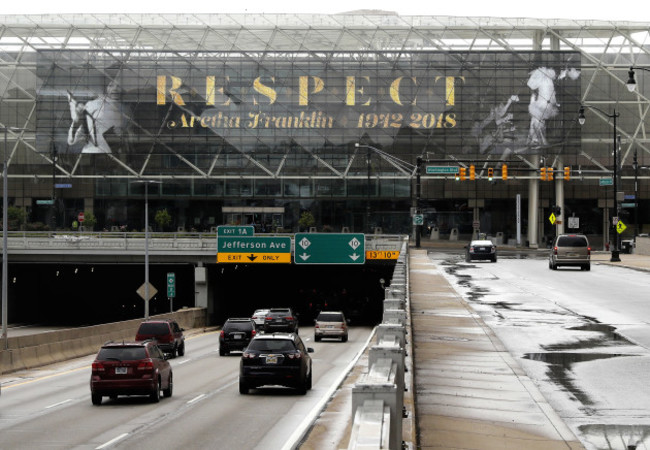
(559, 371)
(612, 436)
(606, 336)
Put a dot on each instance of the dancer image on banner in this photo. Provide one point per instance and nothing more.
(543, 103)
(97, 123)
(497, 132)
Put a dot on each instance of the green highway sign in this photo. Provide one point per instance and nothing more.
(44, 202)
(330, 248)
(235, 230)
(418, 219)
(606, 182)
(171, 284)
(442, 170)
(257, 249)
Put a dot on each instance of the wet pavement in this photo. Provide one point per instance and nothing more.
(468, 391)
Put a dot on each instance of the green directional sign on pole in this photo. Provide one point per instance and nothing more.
(330, 248)
(171, 284)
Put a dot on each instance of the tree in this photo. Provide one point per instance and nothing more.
(163, 218)
(89, 220)
(15, 217)
(306, 220)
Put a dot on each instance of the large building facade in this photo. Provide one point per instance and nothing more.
(257, 119)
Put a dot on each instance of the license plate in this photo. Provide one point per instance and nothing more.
(329, 326)
(271, 359)
(237, 336)
(121, 370)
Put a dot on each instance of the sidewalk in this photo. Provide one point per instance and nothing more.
(470, 393)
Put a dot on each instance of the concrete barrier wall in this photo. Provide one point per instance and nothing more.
(378, 398)
(27, 352)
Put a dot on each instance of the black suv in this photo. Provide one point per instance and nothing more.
(276, 359)
(236, 334)
(130, 368)
(281, 319)
(167, 333)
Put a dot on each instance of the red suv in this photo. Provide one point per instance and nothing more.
(130, 368)
(168, 335)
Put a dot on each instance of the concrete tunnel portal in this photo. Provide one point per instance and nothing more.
(52, 294)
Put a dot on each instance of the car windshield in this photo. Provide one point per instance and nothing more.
(272, 345)
(122, 353)
(571, 241)
(153, 328)
(330, 317)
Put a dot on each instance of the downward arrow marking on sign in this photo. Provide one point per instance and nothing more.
(354, 256)
(305, 256)
(252, 257)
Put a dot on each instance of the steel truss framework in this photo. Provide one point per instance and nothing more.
(608, 50)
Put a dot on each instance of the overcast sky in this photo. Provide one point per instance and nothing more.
(634, 10)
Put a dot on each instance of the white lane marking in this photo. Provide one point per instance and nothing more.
(59, 404)
(112, 441)
(196, 399)
(179, 363)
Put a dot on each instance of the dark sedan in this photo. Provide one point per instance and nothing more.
(481, 250)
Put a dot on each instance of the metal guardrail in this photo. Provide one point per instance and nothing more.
(132, 241)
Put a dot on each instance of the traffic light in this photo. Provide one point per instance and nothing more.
(504, 172)
(463, 174)
(472, 172)
(549, 174)
(542, 173)
(567, 173)
(490, 174)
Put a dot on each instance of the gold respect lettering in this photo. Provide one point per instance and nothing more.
(309, 89)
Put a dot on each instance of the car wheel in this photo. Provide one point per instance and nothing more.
(344, 338)
(243, 387)
(155, 393)
(170, 387)
(174, 352)
(181, 349)
(588, 267)
(222, 352)
(317, 338)
(308, 383)
(96, 399)
(494, 259)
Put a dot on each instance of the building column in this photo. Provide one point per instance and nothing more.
(533, 209)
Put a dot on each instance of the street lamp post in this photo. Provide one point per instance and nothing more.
(615, 257)
(631, 81)
(404, 167)
(5, 225)
(146, 242)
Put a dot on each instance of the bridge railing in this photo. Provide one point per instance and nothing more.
(124, 241)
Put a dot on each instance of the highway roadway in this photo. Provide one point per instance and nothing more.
(50, 407)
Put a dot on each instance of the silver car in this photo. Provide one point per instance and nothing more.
(331, 324)
(258, 317)
(570, 250)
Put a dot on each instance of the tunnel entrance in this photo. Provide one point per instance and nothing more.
(73, 295)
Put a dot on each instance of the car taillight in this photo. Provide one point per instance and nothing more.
(296, 355)
(222, 334)
(289, 318)
(98, 367)
(147, 364)
(555, 250)
(493, 249)
(316, 326)
(268, 318)
(253, 332)
(589, 251)
(248, 355)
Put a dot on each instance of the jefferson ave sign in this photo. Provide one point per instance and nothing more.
(330, 248)
(259, 249)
